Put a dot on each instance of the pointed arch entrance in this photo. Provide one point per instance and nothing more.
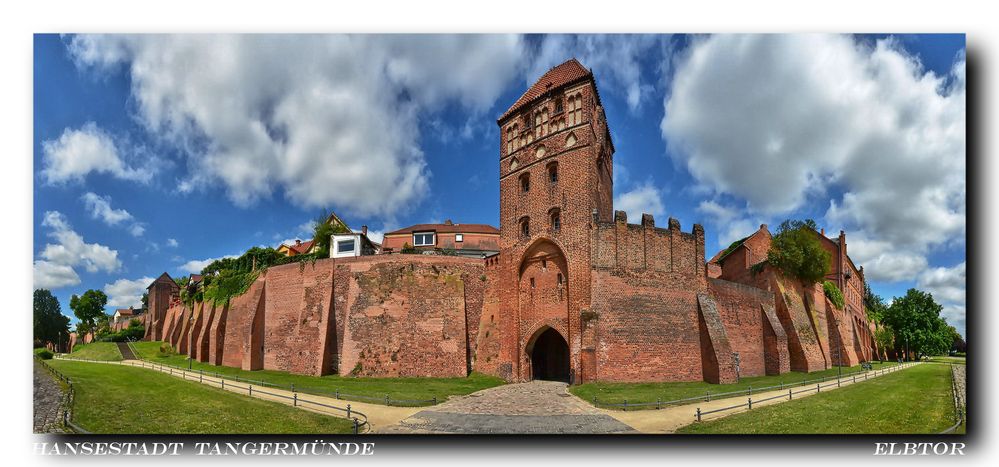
(549, 353)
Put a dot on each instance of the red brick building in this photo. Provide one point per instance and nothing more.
(569, 290)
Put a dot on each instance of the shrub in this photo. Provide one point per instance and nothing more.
(166, 349)
(795, 250)
(833, 294)
(44, 354)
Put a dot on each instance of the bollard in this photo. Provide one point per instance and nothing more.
(750, 403)
(818, 387)
(659, 403)
(837, 382)
(626, 405)
(698, 414)
(348, 410)
(294, 399)
(355, 426)
(251, 390)
(223, 384)
(854, 378)
(387, 400)
(788, 394)
(338, 394)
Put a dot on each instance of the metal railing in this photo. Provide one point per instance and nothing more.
(359, 419)
(316, 391)
(791, 392)
(708, 395)
(69, 397)
(958, 403)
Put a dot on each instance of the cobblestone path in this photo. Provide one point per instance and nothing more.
(535, 407)
(47, 399)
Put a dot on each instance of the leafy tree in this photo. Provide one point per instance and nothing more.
(50, 325)
(918, 327)
(89, 309)
(874, 305)
(959, 345)
(885, 338)
(145, 301)
(795, 250)
(323, 230)
(833, 293)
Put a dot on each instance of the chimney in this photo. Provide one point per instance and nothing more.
(364, 230)
(448, 222)
(298, 242)
(823, 231)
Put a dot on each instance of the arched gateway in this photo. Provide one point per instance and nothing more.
(549, 356)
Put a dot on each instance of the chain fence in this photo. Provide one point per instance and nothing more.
(807, 388)
(69, 397)
(708, 395)
(359, 419)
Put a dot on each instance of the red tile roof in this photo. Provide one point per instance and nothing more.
(124, 311)
(448, 228)
(556, 77)
(301, 248)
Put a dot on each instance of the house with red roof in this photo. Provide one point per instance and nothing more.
(474, 240)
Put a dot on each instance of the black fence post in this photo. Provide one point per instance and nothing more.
(626, 405)
(294, 399)
(387, 400)
(750, 403)
(337, 394)
(659, 403)
(292, 387)
(594, 400)
(251, 390)
(698, 414)
(348, 410)
(789, 394)
(355, 426)
(818, 387)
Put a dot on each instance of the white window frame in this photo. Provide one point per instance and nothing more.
(353, 245)
(458, 238)
(433, 238)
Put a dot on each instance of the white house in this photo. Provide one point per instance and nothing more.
(352, 244)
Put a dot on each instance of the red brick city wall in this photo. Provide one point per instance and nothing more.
(216, 338)
(405, 315)
(740, 308)
(239, 325)
(298, 311)
(489, 337)
(203, 339)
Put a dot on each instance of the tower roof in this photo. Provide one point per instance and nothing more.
(561, 75)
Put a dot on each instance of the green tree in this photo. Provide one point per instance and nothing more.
(89, 309)
(918, 327)
(874, 304)
(795, 250)
(323, 230)
(145, 301)
(885, 338)
(50, 325)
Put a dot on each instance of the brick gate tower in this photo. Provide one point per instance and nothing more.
(556, 178)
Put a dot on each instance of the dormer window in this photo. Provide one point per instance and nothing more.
(423, 239)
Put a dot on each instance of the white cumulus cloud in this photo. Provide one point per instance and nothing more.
(324, 120)
(124, 293)
(195, 266)
(58, 260)
(100, 208)
(643, 199)
(789, 121)
(77, 152)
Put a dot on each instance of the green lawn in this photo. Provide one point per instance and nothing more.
(615, 393)
(422, 389)
(127, 400)
(97, 351)
(915, 400)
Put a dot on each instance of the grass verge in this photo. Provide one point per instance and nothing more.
(126, 400)
(947, 359)
(105, 351)
(915, 400)
(616, 393)
(375, 389)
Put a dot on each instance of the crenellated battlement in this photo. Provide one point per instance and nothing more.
(645, 247)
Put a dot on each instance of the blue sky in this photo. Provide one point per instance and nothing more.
(160, 153)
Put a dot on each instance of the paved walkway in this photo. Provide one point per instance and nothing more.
(47, 402)
(537, 407)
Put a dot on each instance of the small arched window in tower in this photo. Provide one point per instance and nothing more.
(569, 114)
(525, 182)
(525, 227)
(553, 173)
(556, 219)
(537, 124)
(558, 106)
(579, 108)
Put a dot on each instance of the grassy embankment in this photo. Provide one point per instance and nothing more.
(127, 400)
(915, 400)
(417, 389)
(107, 351)
(616, 393)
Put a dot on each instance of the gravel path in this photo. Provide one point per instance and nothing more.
(960, 380)
(536, 407)
(47, 402)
